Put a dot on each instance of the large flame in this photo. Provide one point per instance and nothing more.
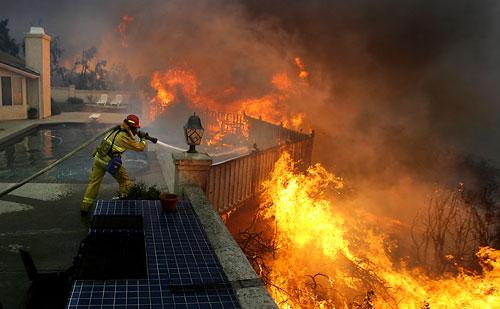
(167, 86)
(178, 86)
(182, 86)
(321, 261)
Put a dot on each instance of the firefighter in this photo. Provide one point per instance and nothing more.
(107, 158)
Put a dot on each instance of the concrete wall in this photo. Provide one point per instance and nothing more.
(37, 56)
(14, 111)
(61, 94)
(250, 290)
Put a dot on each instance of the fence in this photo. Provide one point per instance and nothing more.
(225, 122)
(266, 134)
(232, 182)
(256, 131)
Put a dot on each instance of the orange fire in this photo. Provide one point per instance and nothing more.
(123, 28)
(281, 81)
(167, 86)
(224, 129)
(303, 73)
(175, 85)
(322, 260)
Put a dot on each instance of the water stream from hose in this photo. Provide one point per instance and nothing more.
(170, 146)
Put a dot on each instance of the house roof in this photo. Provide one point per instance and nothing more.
(16, 64)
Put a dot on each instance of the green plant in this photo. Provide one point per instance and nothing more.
(75, 100)
(91, 99)
(32, 113)
(139, 191)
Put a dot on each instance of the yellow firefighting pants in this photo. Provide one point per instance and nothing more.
(95, 179)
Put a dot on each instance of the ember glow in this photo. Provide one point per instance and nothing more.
(323, 259)
(225, 129)
(281, 81)
(122, 29)
(303, 73)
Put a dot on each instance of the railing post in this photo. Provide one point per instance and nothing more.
(191, 169)
(310, 148)
(253, 169)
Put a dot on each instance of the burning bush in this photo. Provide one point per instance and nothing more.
(311, 254)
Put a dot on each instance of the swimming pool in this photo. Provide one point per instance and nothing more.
(24, 155)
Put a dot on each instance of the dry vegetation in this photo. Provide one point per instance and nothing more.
(444, 238)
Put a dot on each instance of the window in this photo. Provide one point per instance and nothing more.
(12, 90)
(17, 90)
(6, 90)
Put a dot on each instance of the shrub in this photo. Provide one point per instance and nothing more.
(55, 109)
(91, 99)
(33, 113)
(139, 191)
(75, 100)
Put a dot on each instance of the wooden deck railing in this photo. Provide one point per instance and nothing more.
(256, 130)
(232, 182)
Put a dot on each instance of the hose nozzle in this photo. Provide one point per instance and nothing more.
(153, 140)
(145, 135)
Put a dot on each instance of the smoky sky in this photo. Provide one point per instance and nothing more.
(428, 68)
(402, 77)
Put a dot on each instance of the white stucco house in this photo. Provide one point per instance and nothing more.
(26, 83)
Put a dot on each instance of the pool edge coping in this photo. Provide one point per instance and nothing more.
(34, 123)
(18, 132)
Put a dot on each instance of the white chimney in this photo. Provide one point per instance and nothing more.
(37, 57)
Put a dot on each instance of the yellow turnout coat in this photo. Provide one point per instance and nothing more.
(115, 143)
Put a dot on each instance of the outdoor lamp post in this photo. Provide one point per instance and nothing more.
(193, 131)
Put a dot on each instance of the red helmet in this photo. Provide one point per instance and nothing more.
(133, 121)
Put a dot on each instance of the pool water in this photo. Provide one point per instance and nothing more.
(25, 155)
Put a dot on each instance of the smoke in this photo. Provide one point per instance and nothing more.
(411, 92)
(212, 38)
(399, 91)
(421, 70)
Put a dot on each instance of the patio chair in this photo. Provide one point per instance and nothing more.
(117, 101)
(102, 100)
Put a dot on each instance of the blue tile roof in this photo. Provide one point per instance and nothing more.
(183, 271)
